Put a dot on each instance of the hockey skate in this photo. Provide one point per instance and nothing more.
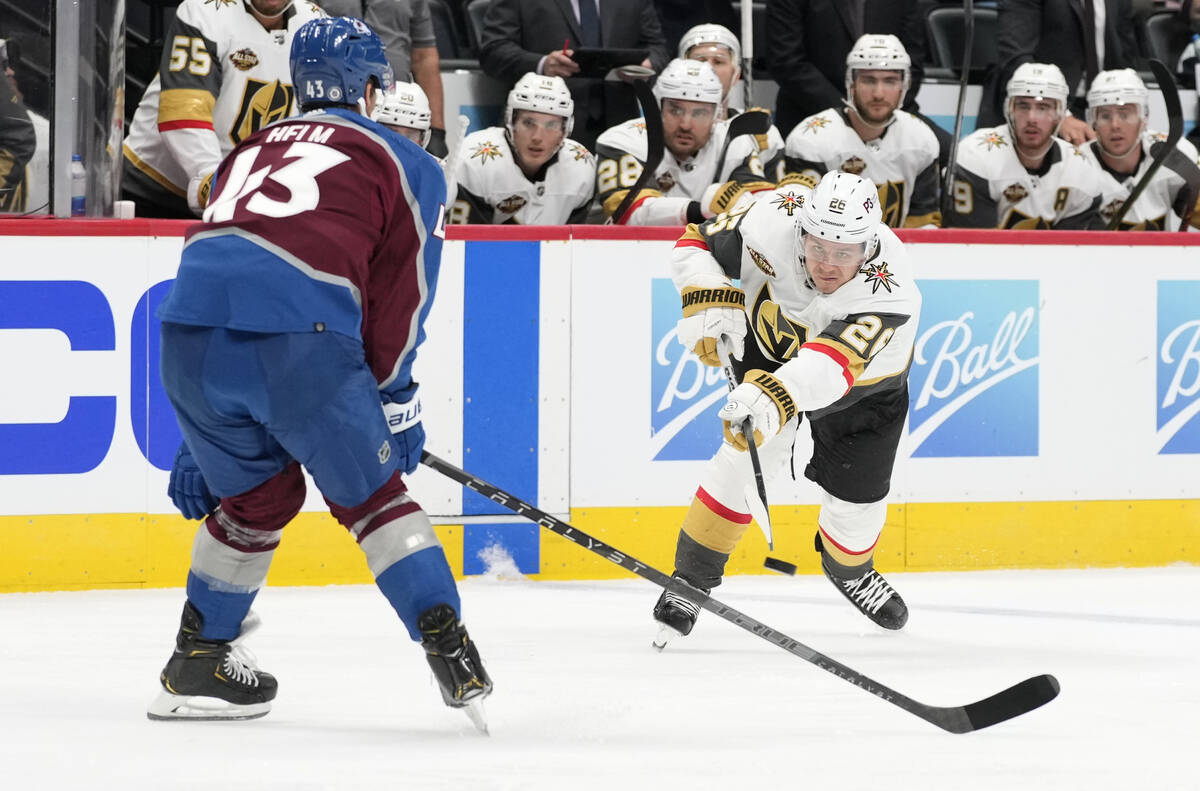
(455, 661)
(212, 679)
(676, 615)
(867, 590)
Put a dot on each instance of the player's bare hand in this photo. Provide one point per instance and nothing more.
(1076, 131)
(559, 64)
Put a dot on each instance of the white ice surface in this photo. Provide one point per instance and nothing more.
(583, 702)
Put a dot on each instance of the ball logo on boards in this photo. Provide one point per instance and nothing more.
(973, 387)
(1178, 388)
(684, 392)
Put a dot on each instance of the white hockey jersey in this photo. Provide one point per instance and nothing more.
(1162, 204)
(902, 163)
(621, 152)
(492, 188)
(222, 77)
(992, 189)
(867, 327)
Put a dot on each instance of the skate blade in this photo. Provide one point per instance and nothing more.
(476, 714)
(201, 708)
(665, 635)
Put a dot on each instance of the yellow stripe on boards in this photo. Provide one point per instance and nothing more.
(43, 553)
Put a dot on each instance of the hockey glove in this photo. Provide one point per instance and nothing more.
(404, 419)
(730, 196)
(710, 314)
(762, 398)
(198, 191)
(187, 488)
(437, 143)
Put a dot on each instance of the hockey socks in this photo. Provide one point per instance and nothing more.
(417, 583)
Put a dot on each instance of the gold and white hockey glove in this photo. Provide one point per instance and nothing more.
(710, 313)
(762, 398)
(198, 191)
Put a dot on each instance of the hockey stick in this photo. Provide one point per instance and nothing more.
(1016, 700)
(968, 44)
(750, 122)
(1159, 151)
(756, 493)
(652, 115)
(747, 63)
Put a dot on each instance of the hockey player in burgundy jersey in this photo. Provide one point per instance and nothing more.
(288, 339)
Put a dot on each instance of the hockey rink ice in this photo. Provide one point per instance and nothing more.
(582, 701)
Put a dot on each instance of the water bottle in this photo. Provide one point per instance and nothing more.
(78, 187)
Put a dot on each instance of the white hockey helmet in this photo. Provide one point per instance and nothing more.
(541, 94)
(709, 33)
(405, 104)
(1117, 87)
(842, 208)
(883, 52)
(1039, 81)
(689, 81)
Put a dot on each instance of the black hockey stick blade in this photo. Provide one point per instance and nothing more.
(1012, 702)
(654, 145)
(1030, 694)
(1160, 151)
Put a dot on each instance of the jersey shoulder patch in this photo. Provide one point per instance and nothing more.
(629, 137)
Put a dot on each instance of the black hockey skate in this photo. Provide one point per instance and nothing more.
(455, 661)
(866, 590)
(212, 679)
(676, 614)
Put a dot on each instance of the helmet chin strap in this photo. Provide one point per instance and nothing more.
(1133, 149)
(852, 107)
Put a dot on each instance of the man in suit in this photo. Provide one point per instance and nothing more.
(521, 36)
(1081, 37)
(808, 41)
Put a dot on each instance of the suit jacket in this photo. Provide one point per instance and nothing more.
(807, 44)
(1051, 31)
(518, 33)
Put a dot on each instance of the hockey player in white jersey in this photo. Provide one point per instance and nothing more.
(718, 47)
(828, 300)
(223, 76)
(527, 172)
(698, 177)
(870, 136)
(1021, 175)
(1118, 108)
(404, 108)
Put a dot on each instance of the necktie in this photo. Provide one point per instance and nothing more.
(1091, 63)
(589, 23)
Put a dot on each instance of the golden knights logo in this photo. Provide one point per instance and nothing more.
(778, 335)
(891, 202)
(853, 165)
(878, 275)
(816, 123)
(993, 140)
(788, 202)
(512, 204)
(1015, 193)
(262, 103)
(244, 59)
(487, 151)
(761, 261)
(579, 151)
